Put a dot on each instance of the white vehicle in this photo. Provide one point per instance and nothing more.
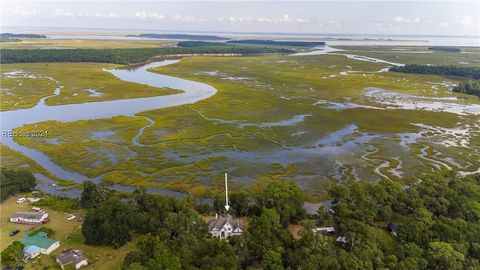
(21, 200)
(38, 209)
(71, 217)
(33, 199)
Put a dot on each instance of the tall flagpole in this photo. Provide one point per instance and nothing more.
(226, 194)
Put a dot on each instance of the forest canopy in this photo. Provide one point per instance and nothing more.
(467, 72)
(471, 87)
(180, 36)
(444, 49)
(278, 43)
(125, 56)
(13, 182)
(435, 221)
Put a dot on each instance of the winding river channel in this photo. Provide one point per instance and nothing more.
(192, 92)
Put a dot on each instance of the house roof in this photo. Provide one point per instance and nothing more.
(39, 239)
(27, 215)
(323, 229)
(220, 221)
(71, 256)
(31, 249)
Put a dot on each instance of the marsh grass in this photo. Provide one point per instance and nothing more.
(75, 79)
(188, 147)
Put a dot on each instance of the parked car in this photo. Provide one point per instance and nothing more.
(14, 232)
(21, 200)
(19, 267)
(71, 217)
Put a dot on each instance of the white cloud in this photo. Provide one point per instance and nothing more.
(148, 15)
(465, 20)
(58, 12)
(180, 18)
(25, 12)
(284, 19)
(400, 19)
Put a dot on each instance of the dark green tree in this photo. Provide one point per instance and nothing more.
(93, 194)
(13, 182)
(444, 257)
(266, 233)
(285, 197)
(13, 254)
(111, 223)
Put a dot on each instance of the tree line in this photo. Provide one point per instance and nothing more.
(467, 72)
(471, 87)
(15, 181)
(278, 43)
(180, 36)
(17, 37)
(125, 56)
(444, 49)
(437, 220)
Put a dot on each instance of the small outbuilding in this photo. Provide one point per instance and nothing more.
(324, 230)
(74, 257)
(30, 252)
(341, 239)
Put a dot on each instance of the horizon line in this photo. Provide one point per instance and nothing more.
(242, 32)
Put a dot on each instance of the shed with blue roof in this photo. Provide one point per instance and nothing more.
(30, 252)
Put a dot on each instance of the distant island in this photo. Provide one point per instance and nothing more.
(444, 49)
(181, 37)
(279, 43)
(17, 37)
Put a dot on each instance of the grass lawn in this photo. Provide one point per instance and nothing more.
(67, 232)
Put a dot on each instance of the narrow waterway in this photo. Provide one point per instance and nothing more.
(192, 92)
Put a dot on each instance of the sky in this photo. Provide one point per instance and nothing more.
(342, 17)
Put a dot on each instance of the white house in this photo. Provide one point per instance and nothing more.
(41, 240)
(32, 218)
(76, 257)
(223, 227)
